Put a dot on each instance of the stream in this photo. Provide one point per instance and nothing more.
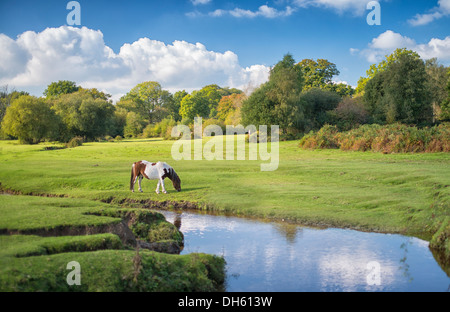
(283, 257)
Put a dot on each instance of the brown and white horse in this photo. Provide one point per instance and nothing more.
(154, 171)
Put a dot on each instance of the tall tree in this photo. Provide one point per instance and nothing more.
(382, 66)
(437, 84)
(400, 92)
(83, 115)
(445, 106)
(147, 99)
(61, 87)
(318, 74)
(7, 96)
(277, 102)
(174, 106)
(194, 105)
(204, 102)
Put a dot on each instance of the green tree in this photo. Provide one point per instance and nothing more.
(83, 115)
(194, 105)
(320, 73)
(316, 103)
(437, 85)
(382, 66)
(400, 92)
(96, 94)
(147, 99)
(6, 98)
(30, 119)
(277, 102)
(61, 87)
(174, 106)
(317, 74)
(445, 106)
(349, 114)
(204, 102)
(134, 125)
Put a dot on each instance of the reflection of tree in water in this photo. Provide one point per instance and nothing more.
(289, 231)
(404, 266)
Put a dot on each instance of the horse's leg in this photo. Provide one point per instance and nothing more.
(134, 182)
(140, 180)
(157, 187)
(163, 186)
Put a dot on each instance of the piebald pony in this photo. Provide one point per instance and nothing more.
(154, 171)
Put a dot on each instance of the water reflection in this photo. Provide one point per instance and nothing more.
(285, 257)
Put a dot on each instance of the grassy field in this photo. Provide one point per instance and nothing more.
(369, 191)
(396, 193)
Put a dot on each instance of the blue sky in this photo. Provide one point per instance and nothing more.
(239, 40)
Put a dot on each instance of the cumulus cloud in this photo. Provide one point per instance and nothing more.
(388, 41)
(81, 55)
(441, 10)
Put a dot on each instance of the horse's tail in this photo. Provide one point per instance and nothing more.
(132, 178)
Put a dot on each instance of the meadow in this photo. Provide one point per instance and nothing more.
(393, 193)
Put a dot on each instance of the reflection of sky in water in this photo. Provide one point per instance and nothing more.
(282, 257)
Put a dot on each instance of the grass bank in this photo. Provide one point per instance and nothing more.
(396, 193)
(41, 235)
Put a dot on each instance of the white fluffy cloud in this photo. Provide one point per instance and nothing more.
(34, 60)
(441, 10)
(388, 41)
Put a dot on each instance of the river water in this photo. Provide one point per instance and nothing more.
(282, 257)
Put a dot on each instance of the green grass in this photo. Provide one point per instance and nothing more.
(102, 270)
(402, 193)
(38, 263)
(395, 193)
(26, 213)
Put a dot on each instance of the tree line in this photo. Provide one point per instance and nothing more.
(299, 97)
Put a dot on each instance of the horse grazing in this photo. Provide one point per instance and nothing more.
(154, 171)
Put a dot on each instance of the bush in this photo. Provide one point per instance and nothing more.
(74, 142)
(162, 129)
(395, 138)
(30, 119)
(324, 138)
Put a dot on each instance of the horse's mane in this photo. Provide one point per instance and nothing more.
(175, 176)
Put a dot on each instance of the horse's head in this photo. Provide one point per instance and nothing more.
(176, 181)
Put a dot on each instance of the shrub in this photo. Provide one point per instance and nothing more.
(326, 137)
(395, 138)
(30, 119)
(74, 142)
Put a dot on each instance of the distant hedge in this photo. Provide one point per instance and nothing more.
(394, 138)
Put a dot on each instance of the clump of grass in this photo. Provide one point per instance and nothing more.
(75, 142)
